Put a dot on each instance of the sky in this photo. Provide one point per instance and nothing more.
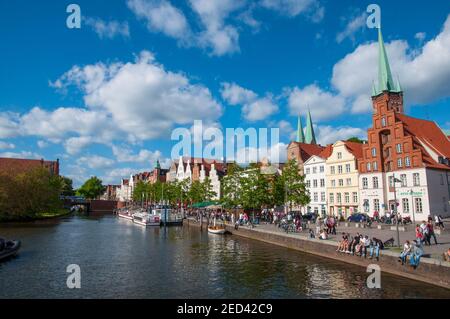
(105, 98)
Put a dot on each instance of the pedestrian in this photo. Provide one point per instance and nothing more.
(318, 225)
(419, 234)
(416, 254)
(406, 252)
(430, 232)
(439, 222)
(375, 248)
(425, 237)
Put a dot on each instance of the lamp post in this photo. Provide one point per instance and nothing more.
(394, 180)
(412, 207)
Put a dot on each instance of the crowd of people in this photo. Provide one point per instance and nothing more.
(425, 231)
(360, 245)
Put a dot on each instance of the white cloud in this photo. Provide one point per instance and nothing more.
(323, 105)
(275, 154)
(352, 27)
(108, 29)
(420, 36)
(328, 134)
(125, 155)
(22, 154)
(75, 145)
(42, 144)
(162, 16)
(95, 162)
(8, 124)
(290, 8)
(254, 108)
(6, 146)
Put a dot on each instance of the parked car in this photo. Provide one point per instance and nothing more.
(358, 218)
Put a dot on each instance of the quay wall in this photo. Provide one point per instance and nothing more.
(431, 271)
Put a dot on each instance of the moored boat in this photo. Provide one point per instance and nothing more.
(145, 219)
(11, 248)
(125, 214)
(217, 229)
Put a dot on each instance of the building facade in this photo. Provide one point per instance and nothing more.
(405, 165)
(342, 178)
(315, 179)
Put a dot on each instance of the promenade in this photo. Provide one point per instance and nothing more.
(432, 269)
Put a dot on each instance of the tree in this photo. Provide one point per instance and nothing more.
(294, 183)
(231, 192)
(356, 140)
(92, 188)
(207, 190)
(66, 186)
(141, 191)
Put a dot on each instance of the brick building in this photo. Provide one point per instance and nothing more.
(19, 165)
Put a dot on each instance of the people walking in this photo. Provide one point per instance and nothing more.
(430, 233)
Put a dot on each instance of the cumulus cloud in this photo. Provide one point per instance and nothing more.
(328, 134)
(254, 108)
(125, 155)
(9, 126)
(322, 104)
(290, 8)
(6, 146)
(353, 26)
(95, 161)
(22, 154)
(108, 29)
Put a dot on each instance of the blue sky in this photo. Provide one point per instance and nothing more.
(104, 99)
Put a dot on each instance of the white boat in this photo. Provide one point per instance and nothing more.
(145, 219)
(214, 229)
(125, 214)
(167, 216)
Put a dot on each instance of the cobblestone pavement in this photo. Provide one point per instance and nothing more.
(434, 251)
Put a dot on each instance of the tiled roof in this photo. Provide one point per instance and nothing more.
(326, 152)
(355, 148)
(428, 133)
(308, 150)
(19, 165)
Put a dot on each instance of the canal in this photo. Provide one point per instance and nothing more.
(121, 260)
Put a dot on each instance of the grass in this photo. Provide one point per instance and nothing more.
(42, 216)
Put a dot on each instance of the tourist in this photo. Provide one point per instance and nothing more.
(365, 247)
(376, 216)
(375, 246)
(406, 252)
(430, 232)
(318, 225)
(447, 255)
(419, 234)
(355, 243)
(439, 222)
(424, 229)
(416, 253)
(311, 234)
(343, 243)
(333, 223)
(359, 246)
(323, 235)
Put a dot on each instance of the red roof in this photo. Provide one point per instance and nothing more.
(308, 150)
(428, 133)
(20, 165)
(326, 151)
(355, 148)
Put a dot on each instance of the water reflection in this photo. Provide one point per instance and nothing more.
(122, 260)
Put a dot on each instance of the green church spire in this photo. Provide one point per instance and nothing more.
(158, 165)
(385, 81)
(300, 136)
(310, 137)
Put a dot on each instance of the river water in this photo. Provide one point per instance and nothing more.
(119, 259)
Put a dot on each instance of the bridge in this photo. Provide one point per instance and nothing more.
(91, 205)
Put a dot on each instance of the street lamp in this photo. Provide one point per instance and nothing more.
(412, 207)
(395, 180)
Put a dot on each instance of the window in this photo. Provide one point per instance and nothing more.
(333, 183)
(316, 197)
(347, 168)
(340, 169)
(339, 154)
(314, 170)
(347, 198)
(322, 197)
(419, 208)
(375, 182)
(407, 161)
(399, 148)
(331, 198)
(365, 183)
(400, 163)
(416, 179)
(322, 182)
(374, 152)
(322, 169)
(323, 210)
(369, 167)
(403, 179)
(376, 205)
(405, 204)
(349, 182)
(355, 197)
(366, 205)
(315, 183)
(333, 171)
(339, 198)
(307, 171)
(383, 122)
(308, 183)
(375, 166)
(341, 182)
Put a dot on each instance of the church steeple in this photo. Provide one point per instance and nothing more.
(310, 137)
(300, 136)
(385, 80)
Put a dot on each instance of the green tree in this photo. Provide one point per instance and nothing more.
(207, 190)
(294, 184)
(66, 186)
(92, 188)
(141, 191)
(230, 185)
(356, 140)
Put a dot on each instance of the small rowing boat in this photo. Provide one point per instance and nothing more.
(217, 229)
(11, 248)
